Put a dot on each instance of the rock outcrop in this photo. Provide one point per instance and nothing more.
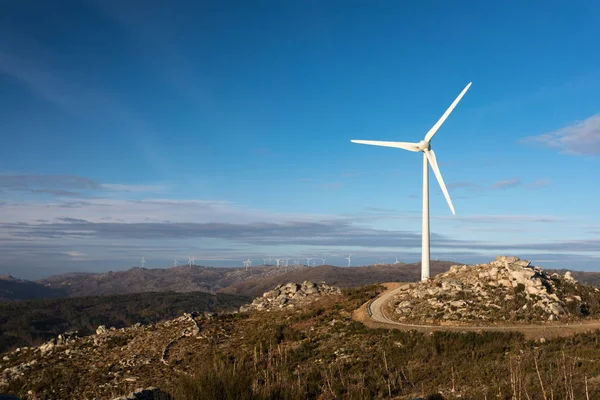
(507, 289)
(290, 295)
(151, 393)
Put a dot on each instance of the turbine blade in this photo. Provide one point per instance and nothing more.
(437, 125)
(436, 170)
(399, 145)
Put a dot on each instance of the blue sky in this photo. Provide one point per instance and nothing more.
(222, 130)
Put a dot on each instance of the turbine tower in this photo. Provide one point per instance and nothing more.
(323, 260)
(191, 260)
(429, 158)
(175, 263)
(308, 261)
(349, 258)
(143, 262)
(397, 262)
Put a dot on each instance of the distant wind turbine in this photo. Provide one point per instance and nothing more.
(397, 262)
(191, 260)
(308, 261)
(349, 258)
(323, 260)
(143, 262)
(429, 158)
(175, 263)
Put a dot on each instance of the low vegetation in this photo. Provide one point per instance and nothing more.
(316, 351)
(29, 323)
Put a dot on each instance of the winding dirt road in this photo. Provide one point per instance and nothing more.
(373, 315)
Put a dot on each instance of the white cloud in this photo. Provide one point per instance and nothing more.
(581, 138)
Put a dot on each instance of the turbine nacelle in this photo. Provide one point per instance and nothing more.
(424, 145)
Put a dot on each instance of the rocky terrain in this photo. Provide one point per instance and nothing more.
(312, 351)
(507, 289)
(291, 295)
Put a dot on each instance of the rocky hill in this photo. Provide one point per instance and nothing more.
(507, 289)
(291, 295)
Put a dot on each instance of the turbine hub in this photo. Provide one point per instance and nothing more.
(423, 145)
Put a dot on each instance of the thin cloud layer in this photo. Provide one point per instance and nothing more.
(581, 138)
(509, 183)
(67, 185)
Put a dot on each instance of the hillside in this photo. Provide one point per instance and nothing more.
(312, 351)
(344, 277)
(228, 280)
(19, 289)
(177, 279)
(27, 323)
(253, 282)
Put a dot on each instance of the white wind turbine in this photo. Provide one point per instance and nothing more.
(424, 146)
(191, 260)
(175, 263)
(349, 258)
(277, 261)
(323, 261)
(143, 262)
(308, 261)
(397, 262)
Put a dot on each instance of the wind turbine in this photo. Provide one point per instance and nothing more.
(143, 262)
(349, 258)
(308, 261)
(264, 261)
(175, 263)
(191, 260)
(424, 146)
(323, 259)
(397, 262)
(277, 261)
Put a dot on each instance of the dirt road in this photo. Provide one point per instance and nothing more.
(372, 314)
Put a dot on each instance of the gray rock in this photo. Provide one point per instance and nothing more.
(507, 259)
(101, 330)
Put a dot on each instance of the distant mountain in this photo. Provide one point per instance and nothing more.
(238, 281)
(19, 289)
(177, 279)
(229, 280)
(339, 276)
